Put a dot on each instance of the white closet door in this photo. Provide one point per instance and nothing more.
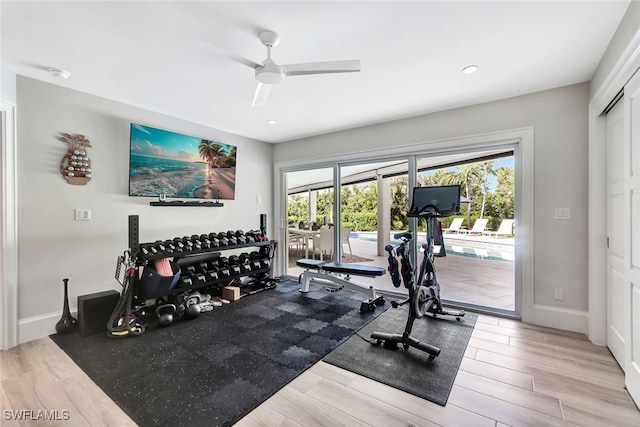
(632, 234)
(616, 300)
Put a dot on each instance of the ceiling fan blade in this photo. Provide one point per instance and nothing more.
(221, 51)
(329, 67)
(261, 95)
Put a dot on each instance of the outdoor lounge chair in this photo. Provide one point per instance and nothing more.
(505, 229)
(478, 227)
(455, 225)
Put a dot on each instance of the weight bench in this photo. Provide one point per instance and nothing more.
(316, 269)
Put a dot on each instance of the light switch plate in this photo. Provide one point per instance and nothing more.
(563, 213)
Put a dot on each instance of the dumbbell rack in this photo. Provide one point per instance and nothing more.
(143, 255)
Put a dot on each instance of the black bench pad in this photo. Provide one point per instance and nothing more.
(310, 263)
(354, 269)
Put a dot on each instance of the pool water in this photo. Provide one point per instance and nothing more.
(480, 253)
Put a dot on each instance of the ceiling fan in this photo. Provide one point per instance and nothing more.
(268, 73)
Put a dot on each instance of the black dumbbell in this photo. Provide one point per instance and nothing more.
(255, 260)
(265, 262)
(204, 241)
(195, 240)
(234, 264)
(179, 246)
(202, 267)
(242, 238)
(199, 279)
(186, 281)
(190, 270)
(265, 252)
(169, 246)
(231, 236)
(223, 272)
(188, 244)
(223, 239)
(213, 238)
(212, 274)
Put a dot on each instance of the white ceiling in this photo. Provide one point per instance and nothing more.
(411, 54)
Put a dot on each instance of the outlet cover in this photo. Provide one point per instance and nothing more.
(83, 214)
(558, 294)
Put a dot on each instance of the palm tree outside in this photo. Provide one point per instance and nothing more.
(466, 176)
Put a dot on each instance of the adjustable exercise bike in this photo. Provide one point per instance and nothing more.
(430, 203)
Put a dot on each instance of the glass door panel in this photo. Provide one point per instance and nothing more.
(373, 206)
(477, 265)
(309, 205)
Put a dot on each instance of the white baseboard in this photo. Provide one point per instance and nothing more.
(36, 327)
(561, 318)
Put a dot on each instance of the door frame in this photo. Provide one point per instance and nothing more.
(9, 218)
(522, 138)
(614, 82)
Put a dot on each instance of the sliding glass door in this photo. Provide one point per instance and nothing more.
(309, 210)
(349, 212)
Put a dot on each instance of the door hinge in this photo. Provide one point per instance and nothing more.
(607, 242)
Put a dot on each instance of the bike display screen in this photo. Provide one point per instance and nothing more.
(442, 200)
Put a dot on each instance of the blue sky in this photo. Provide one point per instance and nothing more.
(503, 162)
(152, 142)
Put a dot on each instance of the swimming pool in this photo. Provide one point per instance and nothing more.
(451, 249)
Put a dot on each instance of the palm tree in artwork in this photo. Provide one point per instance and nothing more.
(231, 157)
(211, 152)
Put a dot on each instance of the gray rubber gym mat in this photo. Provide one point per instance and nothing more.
(215, 369)
(409, 370)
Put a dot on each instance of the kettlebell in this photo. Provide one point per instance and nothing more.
(192, 306)
(165, 313)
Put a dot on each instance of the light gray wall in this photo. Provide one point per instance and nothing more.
(7, 85)
(52, 245)
(559, 119)
(626, 31)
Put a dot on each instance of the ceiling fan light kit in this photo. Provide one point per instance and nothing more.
(269, 73)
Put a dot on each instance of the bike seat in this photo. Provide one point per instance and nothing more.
(405, 237)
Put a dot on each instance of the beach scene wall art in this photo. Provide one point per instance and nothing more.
(180, 166)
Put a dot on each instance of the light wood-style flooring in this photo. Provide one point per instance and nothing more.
(513, 374)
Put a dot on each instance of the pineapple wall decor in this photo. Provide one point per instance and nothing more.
(76, 166)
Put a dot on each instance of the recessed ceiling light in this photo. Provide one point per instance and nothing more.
(470, 69)
(56, 72)
(271, 122)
